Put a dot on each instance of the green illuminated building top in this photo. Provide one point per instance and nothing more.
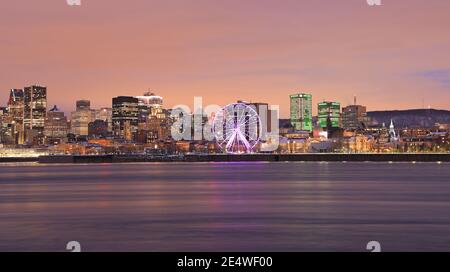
(329, 114)
(301, 111)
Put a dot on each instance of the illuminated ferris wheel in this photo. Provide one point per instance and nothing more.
(237, 128)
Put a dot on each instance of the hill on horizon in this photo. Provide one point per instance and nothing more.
(413, 118)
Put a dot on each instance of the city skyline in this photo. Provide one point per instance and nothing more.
(253, 51)
(315, 104)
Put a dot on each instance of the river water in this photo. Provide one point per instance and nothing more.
(225, 206)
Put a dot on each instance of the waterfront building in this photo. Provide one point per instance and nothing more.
(125, 117)
(329, 114)
(23, 152)
(323, 146)
(295, 142)
(56, 128)
(301, 111)
(35, 112)
(358, 143)
(415, 140)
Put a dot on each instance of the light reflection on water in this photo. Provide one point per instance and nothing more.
(225, 206)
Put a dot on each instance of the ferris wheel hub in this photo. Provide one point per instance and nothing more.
(237, 128)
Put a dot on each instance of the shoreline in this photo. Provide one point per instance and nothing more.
(319, 157)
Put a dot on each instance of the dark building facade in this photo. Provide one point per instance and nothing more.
(354, 117)
(35, 112)
(83, 105)
(56, 128)
(99, 129)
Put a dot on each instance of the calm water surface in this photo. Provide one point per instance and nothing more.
(225, 206)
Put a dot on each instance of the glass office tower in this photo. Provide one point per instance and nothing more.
(301, 111)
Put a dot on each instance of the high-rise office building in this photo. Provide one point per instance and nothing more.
(105, 115)
(35, 112)
(264, 113)
(56, 128)
(85, 115)
(354, 117)
(150, 117)
(329, 114)
(147, 102)
(4, 123)
(125, 117)
(159, 125)
(81, 117)
(301, 111)
(16, 108)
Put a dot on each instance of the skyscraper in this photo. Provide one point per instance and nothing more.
(149, 121)
(35, 111)
(354, 117)
(301, 111)
(159, 125)
(105, 114)
(329, 114)
(265, 114)
(56, 128)
(125, 117)
(81, 117)
(16, 108)
(4, 126)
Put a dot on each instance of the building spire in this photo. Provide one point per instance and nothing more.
(392, 133)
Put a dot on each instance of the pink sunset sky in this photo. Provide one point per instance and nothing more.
(394, 56)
